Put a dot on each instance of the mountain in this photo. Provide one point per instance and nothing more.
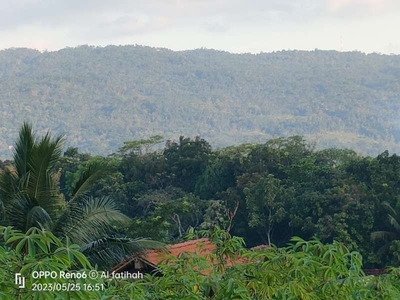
(102, 96)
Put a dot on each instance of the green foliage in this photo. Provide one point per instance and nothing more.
(39, 250)
(266, 204)
(140, 147)
(391, 238)
(186, 160)
(218, 176)
(167, 217)
(302, 270)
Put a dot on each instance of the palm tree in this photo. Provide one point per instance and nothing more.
(30, 197)
(389, 236)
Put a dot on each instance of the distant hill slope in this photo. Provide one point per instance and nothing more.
(101, 97)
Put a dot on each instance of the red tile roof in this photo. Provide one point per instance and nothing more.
(202, 247)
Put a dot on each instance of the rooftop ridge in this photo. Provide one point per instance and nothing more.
(168, 248)
(187, 243)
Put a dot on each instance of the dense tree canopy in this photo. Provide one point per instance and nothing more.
(325, 214)
(265, 193)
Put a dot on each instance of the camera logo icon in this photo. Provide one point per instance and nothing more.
(19, 280)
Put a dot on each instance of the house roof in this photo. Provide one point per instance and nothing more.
(202, 247)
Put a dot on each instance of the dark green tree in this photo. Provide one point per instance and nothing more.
(266, 204)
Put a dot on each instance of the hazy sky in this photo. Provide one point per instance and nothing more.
(232, 25)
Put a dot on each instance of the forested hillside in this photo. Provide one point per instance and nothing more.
(104, 96)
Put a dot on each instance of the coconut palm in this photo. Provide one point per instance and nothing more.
(389, 236)
(30, 197)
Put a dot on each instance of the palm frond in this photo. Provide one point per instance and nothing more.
(109, 251)
(384, 248)
(41, 185)
(2, 212)
(394, 223)
(23, 149)
(44, 155)
(388, 235)
(89, 218)
(93, 172)
(386, 205)
(56, 145)
(128, 245)
(38, 217)
(47, 195)
(8, 183)
(384, 235)
(22, 182)
(17, 210)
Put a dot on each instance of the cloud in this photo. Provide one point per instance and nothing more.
(125, 25)
(73, 22)
(101, 18)
(335, 5)
(87, 13)
(353, 9)
(60, 13)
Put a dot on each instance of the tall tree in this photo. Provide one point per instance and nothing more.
(266, 204)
